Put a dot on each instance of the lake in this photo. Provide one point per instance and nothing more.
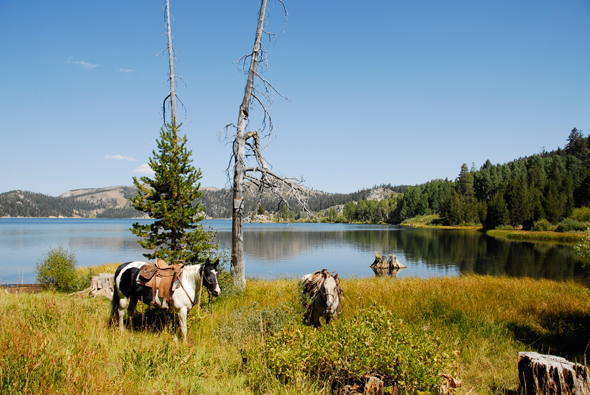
(273, 250)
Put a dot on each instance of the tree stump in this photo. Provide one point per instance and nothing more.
(383, 266)
(103, 285)
(548, 374)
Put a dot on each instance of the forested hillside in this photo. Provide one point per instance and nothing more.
(218, 202)
(30, 204)
(530, 191)
(112, 202)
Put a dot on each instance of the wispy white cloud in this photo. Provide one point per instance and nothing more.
(82, 63)
(122, 70)
(144, 169)
(120, 157)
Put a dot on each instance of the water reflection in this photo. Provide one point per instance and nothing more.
(297, 249)
(426, 252)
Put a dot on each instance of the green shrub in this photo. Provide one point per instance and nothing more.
(570, 225)
(58, 270)
(376, 342)
(581, 214)
(541, 225)
(583, 248)
(505, 227)
(252, 323)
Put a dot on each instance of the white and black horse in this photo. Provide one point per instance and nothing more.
(129, 290)
(322, 293)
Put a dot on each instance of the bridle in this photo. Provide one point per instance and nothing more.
(203, 278)
(325, 292)
(338, 290)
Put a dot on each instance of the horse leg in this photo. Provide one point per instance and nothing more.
(122, 306)
(131, 311)
(182, 314)
(315, 318)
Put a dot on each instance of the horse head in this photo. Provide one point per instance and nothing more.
(330, 291)
(209, 274)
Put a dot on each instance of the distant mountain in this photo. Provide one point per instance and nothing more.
(113, 202)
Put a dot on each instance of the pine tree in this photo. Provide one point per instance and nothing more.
(177, 233)
(498, 213)
(465, 182)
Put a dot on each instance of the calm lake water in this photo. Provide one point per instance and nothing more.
(292, 250)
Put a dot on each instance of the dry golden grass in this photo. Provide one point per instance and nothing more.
(51, 343)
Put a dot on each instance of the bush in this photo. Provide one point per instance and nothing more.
(252, 323)
(504, 227)
(376, 342)
(541, 225)
(581, 214)
(570, 225)
(58, 270)
(583, 248)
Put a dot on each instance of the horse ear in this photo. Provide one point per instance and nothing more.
(335, 276)
(216, 263)
(207, 261)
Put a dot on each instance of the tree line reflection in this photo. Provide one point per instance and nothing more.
(469, 251)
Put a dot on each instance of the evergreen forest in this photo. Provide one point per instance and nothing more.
(531, 192)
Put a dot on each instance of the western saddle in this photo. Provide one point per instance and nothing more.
(160, 277)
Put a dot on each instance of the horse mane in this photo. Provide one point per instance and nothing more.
(192, 273)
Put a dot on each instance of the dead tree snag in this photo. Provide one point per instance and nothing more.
(258, 177)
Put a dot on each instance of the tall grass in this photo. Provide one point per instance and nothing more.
(51, 343)
(549, 236)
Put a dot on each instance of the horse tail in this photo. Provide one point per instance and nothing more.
(116, 298)
(115, 306)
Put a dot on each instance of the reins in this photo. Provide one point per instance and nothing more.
(200, 292)
(199, 305)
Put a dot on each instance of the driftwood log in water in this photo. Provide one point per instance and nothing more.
(386, 266)
(548, 374)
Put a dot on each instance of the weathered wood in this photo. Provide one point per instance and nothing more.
(102, 285)
(549, 374)
(384, 266)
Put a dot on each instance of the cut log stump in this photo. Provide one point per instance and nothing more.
(101, 285)
(549, 374)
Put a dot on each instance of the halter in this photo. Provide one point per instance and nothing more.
(202, 275)
(203, 278)
(338, 293)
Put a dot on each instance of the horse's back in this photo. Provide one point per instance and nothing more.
(126, 276)
(307, 277)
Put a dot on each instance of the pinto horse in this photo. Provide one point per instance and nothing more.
(128, 290)
(322, 294)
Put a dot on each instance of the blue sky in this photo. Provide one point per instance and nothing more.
(398, 92)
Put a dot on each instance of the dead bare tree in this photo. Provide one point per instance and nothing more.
(172, 77)
(259, 177)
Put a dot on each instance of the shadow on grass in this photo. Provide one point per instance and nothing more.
(563, 334)
(151, 319)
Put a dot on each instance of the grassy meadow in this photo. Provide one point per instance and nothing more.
(410, 331)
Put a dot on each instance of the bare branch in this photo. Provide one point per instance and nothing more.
(268, 84)
(286, 15)
(225, 129)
